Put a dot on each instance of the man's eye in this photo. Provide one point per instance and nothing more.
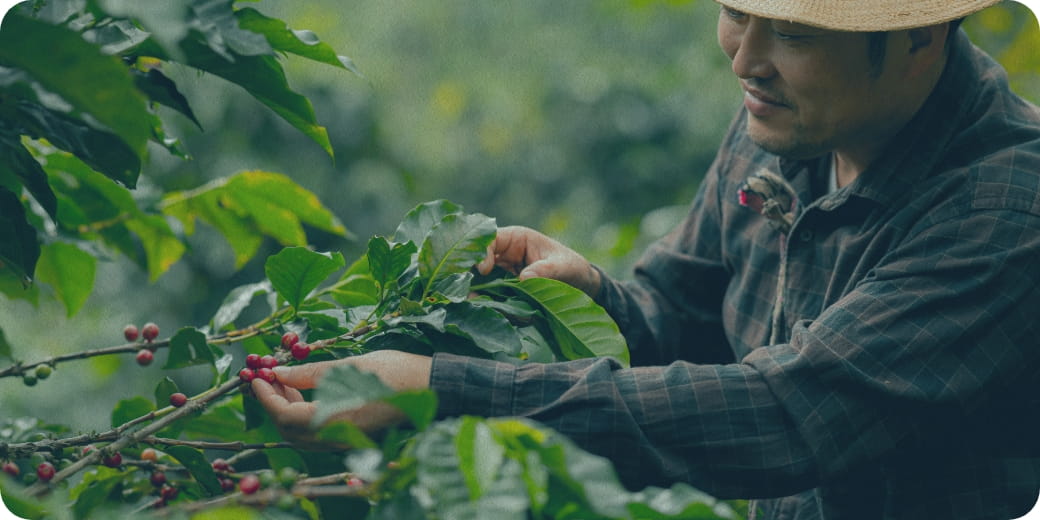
(733, 13)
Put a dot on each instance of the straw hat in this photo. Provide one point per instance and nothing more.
(861, 15)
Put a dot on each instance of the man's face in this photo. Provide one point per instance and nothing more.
(809, 91)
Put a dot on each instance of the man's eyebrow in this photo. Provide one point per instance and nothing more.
(800, 28)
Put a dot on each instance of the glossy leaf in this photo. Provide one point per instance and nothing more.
(188, 347)
(301, 43)
(199, 467)
(296, 271)
(455, 245)
(388, 261)
(486, 328)
(216, 21)
(87, 79)
(420, 220)
(164, 390)
(164, 91)
(580, 326)
(264, 79)
(70, 271)
(236, 301)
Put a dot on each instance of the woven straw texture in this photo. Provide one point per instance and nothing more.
(861, 15)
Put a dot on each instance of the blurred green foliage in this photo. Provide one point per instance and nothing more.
(591, 120)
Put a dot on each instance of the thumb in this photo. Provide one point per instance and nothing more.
(300, 377)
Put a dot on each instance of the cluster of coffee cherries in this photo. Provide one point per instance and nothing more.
(30, 378)
(148, 333)
(262, 367)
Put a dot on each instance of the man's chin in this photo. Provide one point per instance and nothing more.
(786, 146)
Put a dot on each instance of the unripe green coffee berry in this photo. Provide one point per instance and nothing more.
(43, 372)
(29, 379)
(287, 476)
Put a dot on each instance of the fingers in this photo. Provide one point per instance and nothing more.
(286, 406)
(301, 377)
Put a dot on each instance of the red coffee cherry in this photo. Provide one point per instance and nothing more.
(158, 478)
(178, 400)
(113, 461)
(268, 361)
(168, 493)
(249, 484)
(145, 357)
(150, 331)
(354, 482)
(267, 375)
(11, 469)
(246, 375)
(221, 466)
(45, 471)
(253, 361)
(227, 484)
(300, 351)
(289, 339)
(130, 332)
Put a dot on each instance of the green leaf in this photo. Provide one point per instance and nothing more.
(236, 301)
(419, 405)
(488, 329)
(17, 166)
(251, 204)
(296, 271)
(198, 466)
(345, 433)
(188, 347)
(5, 348)
(163, 391)
(301, 43)
(455, 245)
(129, 409)
(264, 78)
(355, 291)
(215, 19)
(580, 326)
(97, 492)
(19, 249)
(230, 512)
(70, 271)
(344, 387)
(420, 220)
(163, 90)
(480, 455)
(387, 262)
(61, 61)
(20, 503)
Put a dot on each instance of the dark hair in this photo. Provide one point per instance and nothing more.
(877, 43)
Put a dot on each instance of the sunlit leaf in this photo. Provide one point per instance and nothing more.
(580, 326)
(162, 247)
(295, 271)
(70, 271)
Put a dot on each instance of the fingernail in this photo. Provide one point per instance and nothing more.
(281, 371)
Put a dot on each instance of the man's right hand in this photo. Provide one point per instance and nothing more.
(530, 254)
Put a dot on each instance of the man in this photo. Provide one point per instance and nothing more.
(845, 325)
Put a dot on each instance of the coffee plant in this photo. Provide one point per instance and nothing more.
(84, 87)
(416, 291)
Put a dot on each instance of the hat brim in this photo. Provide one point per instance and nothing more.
(861, 15)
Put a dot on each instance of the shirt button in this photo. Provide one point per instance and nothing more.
(805, 235)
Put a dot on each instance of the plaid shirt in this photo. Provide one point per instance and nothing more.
(904, 382)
